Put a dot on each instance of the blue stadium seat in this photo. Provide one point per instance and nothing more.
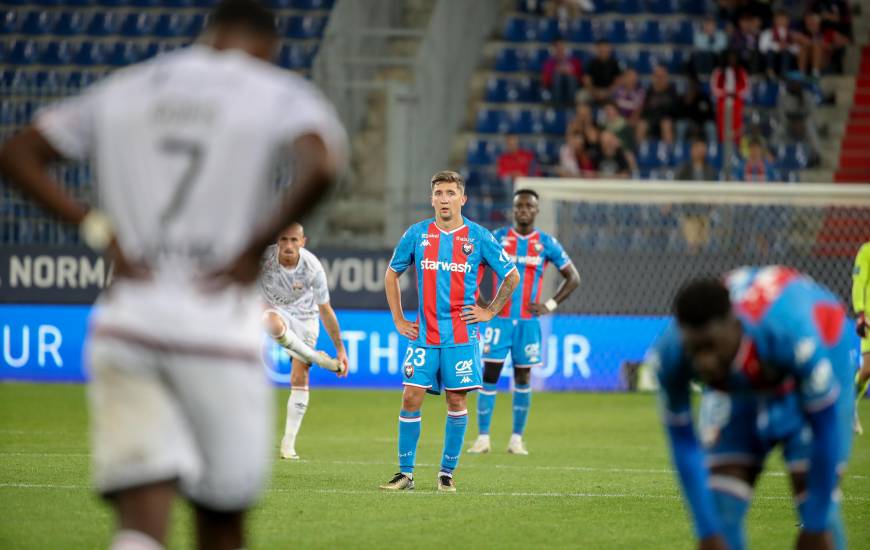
(496, 90)
(547, 30)
(105, 23)
(677, 62)
(71, 23)
(311, 4)
(491, 121)
(145, 3)
(533, 7)
(93, 53)
(581, 31)
(662, 7)
(682, 33)
(534, 59)
(506, 60)
(178, 3)
(792, 157)
(616, 32)
(604, 6)
(39, 22)
(139, 24)
(555, 122)
(125, 53)
(546, 151)
(172, 25)
(642, 61)
(649, 32)
(23, 52)
(58, 53)
(515, 29)
(528, 90)
(680, 153)
(629, 7)
(11, 22)
(765, 93)
(692, 7)
(297, 57)
(304, 27)
(481, 153)
(525, 122)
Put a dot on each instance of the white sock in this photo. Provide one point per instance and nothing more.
(296, 407)
(483, 437)
(128, 539)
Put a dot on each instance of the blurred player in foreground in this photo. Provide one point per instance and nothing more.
(294, 284)
(516, 330)
(183, 147)
(860, 298)
(447, 252)
(775, 351)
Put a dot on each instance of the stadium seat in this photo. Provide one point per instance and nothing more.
(547, 30)
(23, 52)
(311, 4)
(792, 157)
(490, 121)
(139, 24)
(615, 32)
(546, 151)
(506, 60)
(580, 31)
(93, 53)
(534, 59)
(649, 32)
(124, 53)
(481, 153)
(71, 23)
(677, 62)
(58, 53)
(525, 122)
(515, 29)
(642, 61)
(692, 7)
(496, 90)
(105, 23)
(527, 89)
(681, 33)
(661, 7)
(765, 93)
(172, 25)
(555, 122)
(304, 27)
(11, 22)
(629, 7)
(39, 22)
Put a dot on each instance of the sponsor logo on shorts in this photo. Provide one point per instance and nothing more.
(409, 370)
(467, 248)
(464, 367)
(533, 352)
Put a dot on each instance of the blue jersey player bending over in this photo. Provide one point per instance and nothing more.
(775, 353)
(446, 252)
(516, 330)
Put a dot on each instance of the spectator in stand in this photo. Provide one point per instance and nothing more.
(575, 159)
(757, 167)
(613, 161)
(583, 120)
(779, 46)
(659, 108)
(816, 45)
(710, 42)
(602, 72)
(614, 122)
(836, 22)
(695, 219)
(697, 167)
(745, 40)
(628, 96)
(562, 75)
(695, 114)
(796, 114)
(730, 81)
(515, 161)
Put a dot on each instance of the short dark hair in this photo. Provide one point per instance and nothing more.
(700, 301)
(248, 14)
(526, 191)
(448, 176)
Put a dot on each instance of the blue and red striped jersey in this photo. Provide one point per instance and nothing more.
(531, 253)
(447, 265)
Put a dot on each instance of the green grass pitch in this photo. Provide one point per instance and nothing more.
(598, 476)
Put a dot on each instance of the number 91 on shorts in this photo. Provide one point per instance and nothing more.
(455, 368)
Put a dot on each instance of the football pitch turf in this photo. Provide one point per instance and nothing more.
(598, 476)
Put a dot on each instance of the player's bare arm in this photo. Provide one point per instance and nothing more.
(24, 161)
(570, 282)
(394, 299)
(316, 173)
(477, 314)
(330, 322)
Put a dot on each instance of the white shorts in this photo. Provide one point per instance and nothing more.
(159, 415)
(308, 330)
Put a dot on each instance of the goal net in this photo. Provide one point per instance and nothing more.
(635, 243)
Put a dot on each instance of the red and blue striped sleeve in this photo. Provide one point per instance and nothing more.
(555, 253)
(403, 255)
(495, 256)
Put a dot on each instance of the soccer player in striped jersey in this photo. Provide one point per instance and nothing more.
(860, 299)
(775, 351)
(516, 330)
(447, 252)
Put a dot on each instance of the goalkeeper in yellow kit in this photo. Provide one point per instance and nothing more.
(860, 301)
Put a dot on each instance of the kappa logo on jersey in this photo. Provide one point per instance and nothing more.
(425, 243)
(409, 370)
(432, 265)
(464, 367)
(467, 248)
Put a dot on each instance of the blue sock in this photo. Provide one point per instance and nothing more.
(522, 401)
(732, 510)
(409, 435)
(454, 435)
(485, 406)
(835, 525)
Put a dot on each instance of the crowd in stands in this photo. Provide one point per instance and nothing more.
(617, 117)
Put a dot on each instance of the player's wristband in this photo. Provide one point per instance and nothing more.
(551, 305)
(96, 230)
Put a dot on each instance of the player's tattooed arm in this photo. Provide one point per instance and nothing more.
(394, 300)
(570, 282)
(477, 314)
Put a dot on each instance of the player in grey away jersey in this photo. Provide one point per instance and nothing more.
(294, 285)
(184, 147)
